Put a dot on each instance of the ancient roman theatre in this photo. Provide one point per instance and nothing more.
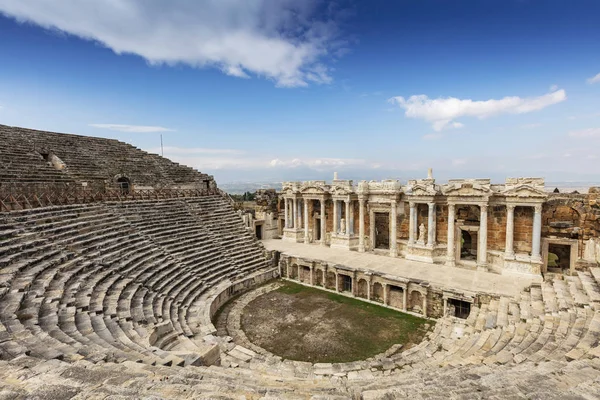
(126, 275)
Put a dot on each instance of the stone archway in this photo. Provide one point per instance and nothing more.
(362, 288)
(416, 302)
(330, 281)
(124, 184)
(377, 292)
(396, 297)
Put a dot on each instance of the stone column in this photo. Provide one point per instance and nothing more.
(424, 305)
(323, 223)
(445, 307)
(431, 225)
(385, 293)
(336, 221)
(509, 252)
(450, 256)
(351, 223)
(537, 234)
(372, 228)
(394, 233)
(300, 213)
(312, 270)
(361, 226)
(404, 298)
(295, 213)
(286, 213)
(337, 282)
(347, 203)
(369, 283)
(482, 250)
(411, 224)
(306, 221)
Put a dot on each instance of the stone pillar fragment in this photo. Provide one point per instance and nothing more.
(306, 239)
(537, 234)
(509, 252)
(323, 223)
(394, 231)
(336, 219)
(431, 225)
(482, 250)
(450, 256)
(361, 226)
(411, 224)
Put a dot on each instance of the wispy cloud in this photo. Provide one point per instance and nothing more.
(195, 150)
(317, 163)
(442, 112)
(594, 79)
(283, 40)
(531, 126)
(432, 136)
(586, 133)
(132, 128)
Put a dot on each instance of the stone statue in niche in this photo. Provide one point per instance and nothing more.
(421, 233)
(342, 226)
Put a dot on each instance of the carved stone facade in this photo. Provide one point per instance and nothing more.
(469, 223)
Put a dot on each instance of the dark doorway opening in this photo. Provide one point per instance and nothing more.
(124, 184)
(346, 283)
(258, 231)
(459, 308)
(318, 229)
(382, 230)
(467, 251)
(559, 256)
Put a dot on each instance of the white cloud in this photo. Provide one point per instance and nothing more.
(317, 163)
(586, 133)
(459, 161)
(194, 150)
(283, 40)
(594, 79)
(442, 112)
(553, 88)
(432, 136)
(531, 126)
(132, 128)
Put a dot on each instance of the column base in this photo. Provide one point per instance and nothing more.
(394, 252)
(361, 248)
(482, 267)
(293, 235)
(509, 256)
(451, 263)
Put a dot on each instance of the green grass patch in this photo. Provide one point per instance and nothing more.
(305, 323)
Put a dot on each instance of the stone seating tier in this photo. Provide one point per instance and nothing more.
(87, 159)
(84, 282)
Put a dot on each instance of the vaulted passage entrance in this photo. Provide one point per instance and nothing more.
(382, 230)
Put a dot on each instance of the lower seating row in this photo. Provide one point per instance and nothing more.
(98, 281)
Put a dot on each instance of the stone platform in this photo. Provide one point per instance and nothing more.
(439, 275)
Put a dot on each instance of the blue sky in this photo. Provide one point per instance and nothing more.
(271, 90)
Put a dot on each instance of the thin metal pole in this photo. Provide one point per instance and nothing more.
(162, 153)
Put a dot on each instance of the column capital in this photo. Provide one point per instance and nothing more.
(431, 204)
(412, 204)
(538, 208)
(511, 207)
(483, 206)
(451, 206)
(393, 203)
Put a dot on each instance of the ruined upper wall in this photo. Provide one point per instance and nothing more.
(29, 158)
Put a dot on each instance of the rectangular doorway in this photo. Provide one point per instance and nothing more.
(559, 257)
(258, 231)
(382, 230)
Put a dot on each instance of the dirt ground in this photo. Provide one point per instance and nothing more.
(307, 324)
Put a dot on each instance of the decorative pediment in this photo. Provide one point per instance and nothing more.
(388, 186)
(423, 187)
(525, 191)
(468, 188)
(314, 187)
(524, 187)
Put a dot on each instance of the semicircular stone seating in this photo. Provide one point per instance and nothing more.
(110, 299)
